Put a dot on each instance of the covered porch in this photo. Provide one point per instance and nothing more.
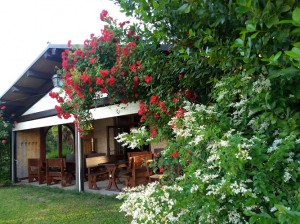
(51, 137)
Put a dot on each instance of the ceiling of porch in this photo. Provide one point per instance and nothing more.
(34, 83)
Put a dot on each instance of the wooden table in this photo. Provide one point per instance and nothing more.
(112, 169)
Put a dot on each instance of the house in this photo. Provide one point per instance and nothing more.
(39, 133)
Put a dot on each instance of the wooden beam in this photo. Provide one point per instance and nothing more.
(54, 54)
(12, 103)
(25, 90)
(38, 115)
(38, 75)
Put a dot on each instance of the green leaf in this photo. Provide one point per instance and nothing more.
(250, 27)
(285, 21)
(191, 33)
(272, 21)
(242, 9)
(254, 35)
(282, 72)
(238, 43)
(253, 219)
(296, 15)
(277, 56)
(297, 30)
(250, 71)
(297, 44)
(155, 5)
(186, 8)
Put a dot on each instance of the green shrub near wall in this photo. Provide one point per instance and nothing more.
(4, 163)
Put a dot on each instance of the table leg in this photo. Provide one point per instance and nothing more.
(111, 178)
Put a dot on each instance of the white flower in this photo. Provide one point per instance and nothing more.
(194, 188)
(223, 143)
(274, 146)
(287, 176)
(273, 209)
(261, 84)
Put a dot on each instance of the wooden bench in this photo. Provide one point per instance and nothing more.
(95, 170)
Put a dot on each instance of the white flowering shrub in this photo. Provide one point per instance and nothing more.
(229, 175)
(135, 139)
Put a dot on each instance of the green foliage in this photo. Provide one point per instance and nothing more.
(52, 142)
(5, 129)
(4, 163)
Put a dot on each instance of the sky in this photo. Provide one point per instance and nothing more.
(27, 26)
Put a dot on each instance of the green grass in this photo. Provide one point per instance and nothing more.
(28, 204)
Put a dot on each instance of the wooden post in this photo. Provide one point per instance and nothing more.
(13, 157)
(60, 141)
(42, 144)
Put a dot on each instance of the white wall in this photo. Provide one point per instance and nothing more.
(98, 113)
(46, 103)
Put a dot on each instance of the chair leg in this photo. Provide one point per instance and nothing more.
(127, 181)
(92, 180)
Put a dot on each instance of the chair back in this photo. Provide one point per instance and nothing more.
(140, 162)
(33, 165)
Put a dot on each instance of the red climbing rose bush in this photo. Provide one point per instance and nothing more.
(116, 64)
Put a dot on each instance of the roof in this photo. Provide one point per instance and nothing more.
(34, 83)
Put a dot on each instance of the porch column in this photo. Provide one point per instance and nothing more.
(13, 156)
(79, 162)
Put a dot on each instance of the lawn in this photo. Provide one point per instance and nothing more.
(28, 204)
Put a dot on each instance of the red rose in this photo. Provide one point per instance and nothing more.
(99, 81)
(104, 73)
(3, 141)
(175, 154)
(85, 78)
(132, 68)
(148, 78)
(103, 14)
(92, 61)
(161, 169)
(153, 133)
(111, 81)
(154, 99)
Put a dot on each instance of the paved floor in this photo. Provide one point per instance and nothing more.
(101, 184)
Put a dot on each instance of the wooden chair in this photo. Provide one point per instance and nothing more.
(36, 170)
(56, 171)
(138, 173)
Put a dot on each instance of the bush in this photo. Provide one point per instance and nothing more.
(5, 175)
